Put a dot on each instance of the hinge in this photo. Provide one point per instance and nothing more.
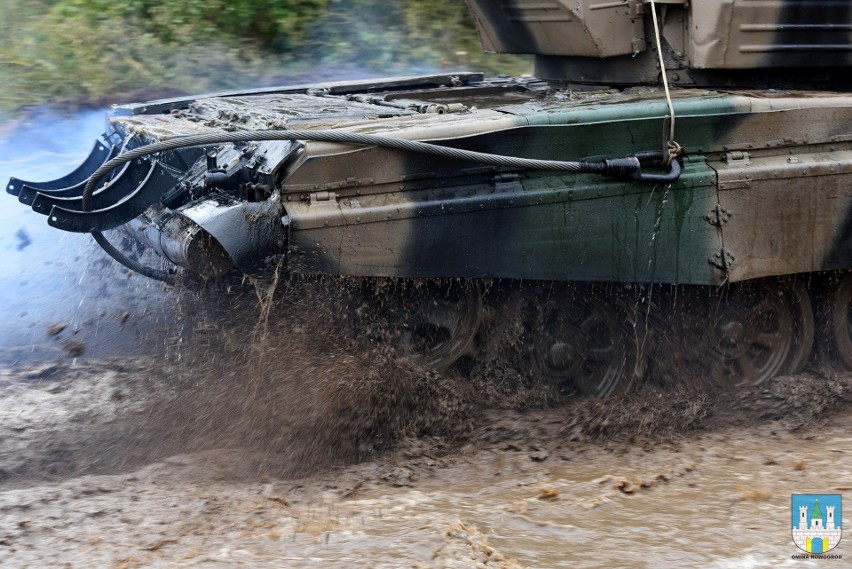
(637, 9)
(348, 183)
(507, 183)
(723, 260)
(718, 216)
(637, 16)
(321, 197)
(735, 176)
(738, 156)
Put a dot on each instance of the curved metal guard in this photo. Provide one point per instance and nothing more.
(27, 194)
(250, 232)
(99, 154)
(120, 186)
(157, 181)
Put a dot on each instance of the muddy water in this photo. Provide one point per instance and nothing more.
(718, 501)
(91, 477)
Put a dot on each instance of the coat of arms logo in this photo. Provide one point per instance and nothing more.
(817, 520)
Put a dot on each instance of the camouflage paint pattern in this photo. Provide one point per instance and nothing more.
(739, 211)
(598, 41)
(765, 188)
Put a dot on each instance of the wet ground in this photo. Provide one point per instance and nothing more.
(279, 443)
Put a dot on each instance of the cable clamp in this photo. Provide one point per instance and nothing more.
(631, 167)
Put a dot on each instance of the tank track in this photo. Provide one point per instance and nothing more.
(603, 339)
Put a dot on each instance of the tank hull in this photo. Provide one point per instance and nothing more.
(764, 189)
(730, 197)
(757, 202)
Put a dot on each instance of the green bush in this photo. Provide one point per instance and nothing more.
(394, 36)
(84, 50)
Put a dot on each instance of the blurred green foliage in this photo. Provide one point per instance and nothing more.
(87, 50)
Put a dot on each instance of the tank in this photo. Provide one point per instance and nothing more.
(672, 189)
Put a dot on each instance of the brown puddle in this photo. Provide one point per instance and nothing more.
(521, 489)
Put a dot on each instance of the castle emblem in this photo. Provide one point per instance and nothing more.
(817, 520)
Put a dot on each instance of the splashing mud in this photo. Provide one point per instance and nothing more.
(281, 430)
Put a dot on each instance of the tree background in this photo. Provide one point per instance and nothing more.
(87, 51)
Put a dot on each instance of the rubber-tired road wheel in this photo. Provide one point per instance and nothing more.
(835, 322)
(752, 334)
(586, 341)
(432, 323)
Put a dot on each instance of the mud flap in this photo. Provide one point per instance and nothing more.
(250, 232)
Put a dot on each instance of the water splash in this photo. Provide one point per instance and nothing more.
(47, 276)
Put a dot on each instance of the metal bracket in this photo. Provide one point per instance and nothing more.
(722, 260)
(718, 216)
(132, 200)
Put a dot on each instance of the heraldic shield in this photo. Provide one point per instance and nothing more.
(816, 521)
